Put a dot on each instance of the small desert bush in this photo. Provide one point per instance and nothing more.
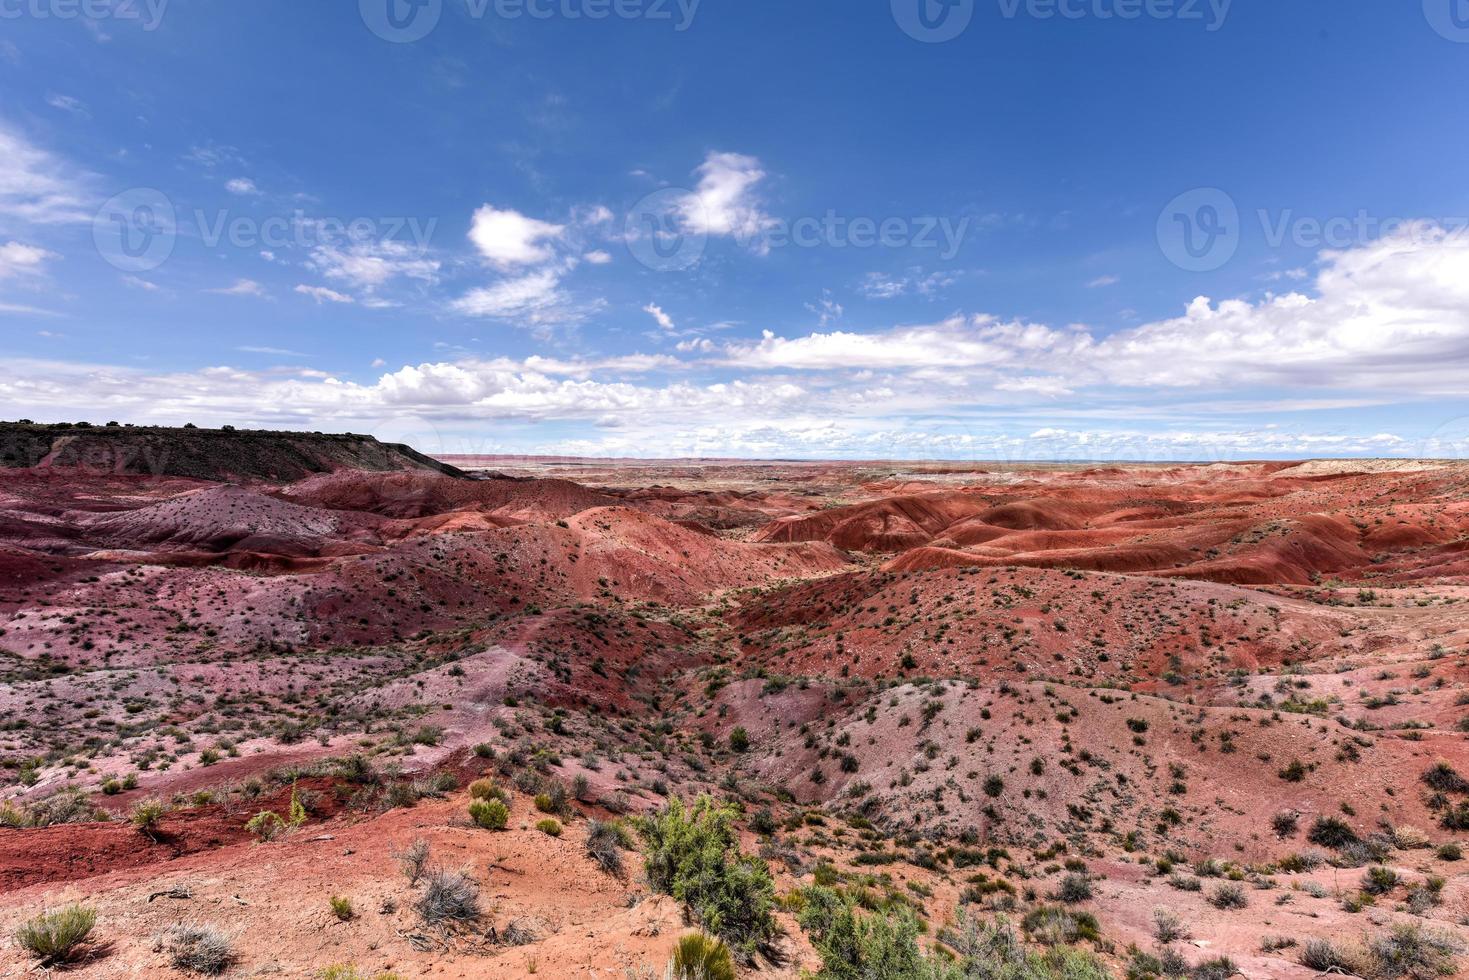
(146, 815)
(347, 971)
(1442, 777)
(267, 825)
(448, 896)
(606, 841)
(551, 827)
(1331, 832)
(993, 951)
(855, 943)
(1168, 927)
(53, 937)
(1229, 895)
(1053, 925)
(693, 854)
(1075, 887)
(1380, 880)
(341, 908)
(198, 949)
(489, 814)
(1324, 955)
(414, 860)
(701, 957)
(487, 789)
(1411, 951)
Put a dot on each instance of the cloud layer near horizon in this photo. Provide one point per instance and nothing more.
(1385, 322)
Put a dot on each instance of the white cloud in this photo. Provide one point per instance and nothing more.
(241, 287)
(508, 238)
(879, 285)
(827, 310)
(138, 283)
(67, 103)
(598, 257)
(1103, 281)
(1392, 314)
(21, 309)
(242, 187)
(322, 294)
(656, 312)
(371, 265)
(36, 187)
(20, 259)
(725, 202)
(534, 299)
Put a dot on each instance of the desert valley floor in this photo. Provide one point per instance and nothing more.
(1188, 719)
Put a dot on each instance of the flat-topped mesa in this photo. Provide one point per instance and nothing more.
(205, 454)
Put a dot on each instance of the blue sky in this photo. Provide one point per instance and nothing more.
(1133, 229)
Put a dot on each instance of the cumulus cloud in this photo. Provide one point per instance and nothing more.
(661, 318)
(1391, 314)
(242, 187)
(726, 202)
(20, 259)
(1385, 322)
(508, 238)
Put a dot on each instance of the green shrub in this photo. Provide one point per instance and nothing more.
(341, 908)
(1075, 887)
(855, 945)
(1331, 832)
(1380, 880)
(489, 814)
(693, 854)
(993, 951)
(739, 740)
(551, 827)
(268, 825)
(53, 937)
(146, 815)
(701, 957)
